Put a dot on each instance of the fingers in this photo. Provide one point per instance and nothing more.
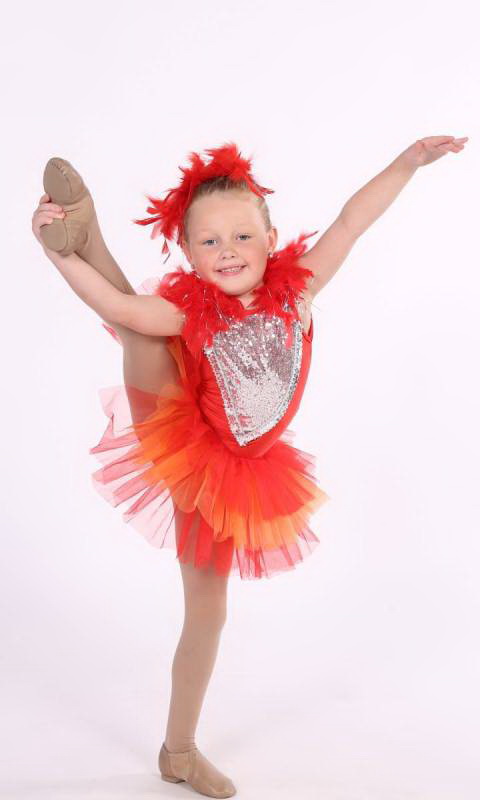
(47, 216)
(41, 218)
(437, 141)
(44, 216)
(49, 213)
(50, 207)
(45, 204)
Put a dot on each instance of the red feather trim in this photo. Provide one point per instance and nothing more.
(168, 214)
(207, 307)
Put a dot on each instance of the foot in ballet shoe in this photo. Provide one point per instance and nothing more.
(191, 766)
(66, 188)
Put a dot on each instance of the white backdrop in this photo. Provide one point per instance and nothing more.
(355, 676)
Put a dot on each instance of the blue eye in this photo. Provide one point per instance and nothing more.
(212, 240)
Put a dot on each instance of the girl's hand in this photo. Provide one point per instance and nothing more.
(44, 214)
(425, 151)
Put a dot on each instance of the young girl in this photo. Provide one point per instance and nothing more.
(216, 360)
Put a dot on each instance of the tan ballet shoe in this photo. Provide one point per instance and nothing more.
(66, 188)
(192, 767)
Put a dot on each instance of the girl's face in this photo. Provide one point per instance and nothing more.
(227, 230)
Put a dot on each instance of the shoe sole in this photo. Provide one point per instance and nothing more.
(65, 187)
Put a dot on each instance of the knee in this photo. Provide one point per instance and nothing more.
(209, 615)
(216, 612)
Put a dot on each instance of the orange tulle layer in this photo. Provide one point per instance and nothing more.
(186, 490)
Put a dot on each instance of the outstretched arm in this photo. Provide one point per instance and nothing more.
(368, 204)
(148, 314)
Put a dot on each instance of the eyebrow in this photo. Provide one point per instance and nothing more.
(238, 224)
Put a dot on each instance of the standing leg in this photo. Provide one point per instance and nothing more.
(205, 596)
(205, 605)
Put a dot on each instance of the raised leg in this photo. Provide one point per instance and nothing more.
(147, 362)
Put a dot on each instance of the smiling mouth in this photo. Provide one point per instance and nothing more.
(231, 270)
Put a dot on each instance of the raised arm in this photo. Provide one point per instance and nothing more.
(368, 204)
(148, 314)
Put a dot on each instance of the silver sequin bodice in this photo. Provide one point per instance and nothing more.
(256, 372)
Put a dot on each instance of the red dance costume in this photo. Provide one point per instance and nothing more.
(206, 464)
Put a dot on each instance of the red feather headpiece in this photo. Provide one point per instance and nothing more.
(168, 214)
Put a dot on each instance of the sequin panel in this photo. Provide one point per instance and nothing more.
(256, 372)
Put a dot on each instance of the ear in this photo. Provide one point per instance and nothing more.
(272, 237)
(186, 250)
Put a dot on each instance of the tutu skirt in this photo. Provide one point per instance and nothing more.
(182, 487)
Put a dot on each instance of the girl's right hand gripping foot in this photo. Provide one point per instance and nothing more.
(66, 189)
(46, 214)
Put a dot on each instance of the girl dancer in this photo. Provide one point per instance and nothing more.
(215, 363)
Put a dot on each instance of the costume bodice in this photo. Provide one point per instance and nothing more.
(247, 389)
(251, 384)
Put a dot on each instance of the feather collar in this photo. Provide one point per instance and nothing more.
(209, 309)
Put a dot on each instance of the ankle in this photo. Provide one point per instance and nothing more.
(180, 745)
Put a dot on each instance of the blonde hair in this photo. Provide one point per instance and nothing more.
(225, 184)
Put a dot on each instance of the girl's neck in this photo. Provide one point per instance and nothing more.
(248, 298)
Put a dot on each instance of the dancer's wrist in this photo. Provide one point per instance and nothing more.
(54, 256)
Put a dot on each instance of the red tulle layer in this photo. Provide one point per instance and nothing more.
(185, 489)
